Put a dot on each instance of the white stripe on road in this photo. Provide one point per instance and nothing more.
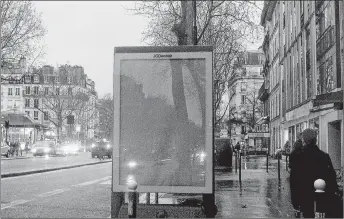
(92, 182)
(47, 194)
(14, 203)
(106, 182)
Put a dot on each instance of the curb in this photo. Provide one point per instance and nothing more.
(7, 175)
(17, 158)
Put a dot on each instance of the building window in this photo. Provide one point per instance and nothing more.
(35, 103)
(243, 86)
(46, 115)
(35, 115)
(28, 113)
(17, 91)
(46, 79)
(27, 102)
(27, 79)
(57, 91)
(10, 93)
(35, 90)
(69, 80)
(36, 79)
(325, 77)
(27, 90)
(46, 90)
(70, 91)
(56, 79)
(243, 99)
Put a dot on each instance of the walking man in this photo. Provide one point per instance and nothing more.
(307, 164)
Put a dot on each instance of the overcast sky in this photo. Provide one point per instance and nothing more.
(85, 33)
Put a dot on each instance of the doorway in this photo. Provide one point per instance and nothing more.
(334, 143)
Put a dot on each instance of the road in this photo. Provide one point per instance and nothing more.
(38, 163)
(71, 193)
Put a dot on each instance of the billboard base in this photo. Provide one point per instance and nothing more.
(163, 211)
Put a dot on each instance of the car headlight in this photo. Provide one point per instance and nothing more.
(46, 150)
(132, 164)
(34, 150)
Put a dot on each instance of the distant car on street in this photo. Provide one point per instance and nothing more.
(45, 147)
(5, 149)
(101, 148)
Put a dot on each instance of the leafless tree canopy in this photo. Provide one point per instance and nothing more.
(61, 99)
(226, 25)
(106, 111)
(21, 30)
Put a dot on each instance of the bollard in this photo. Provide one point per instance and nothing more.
(267, 162)
(147, 198)
(240, 166)
(156, 198)
(279, 171)
(320, 199)
(236, 161)
(132, 198)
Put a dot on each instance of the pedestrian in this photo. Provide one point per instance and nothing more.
(237, 147)
(307, 164)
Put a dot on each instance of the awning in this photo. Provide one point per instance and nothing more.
(21, 120)
(328, 98)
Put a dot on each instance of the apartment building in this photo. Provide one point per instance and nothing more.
(48, 96)
(303, 72)
(245, 108)
(11, 89)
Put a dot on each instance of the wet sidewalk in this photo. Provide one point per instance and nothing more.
(258, 195)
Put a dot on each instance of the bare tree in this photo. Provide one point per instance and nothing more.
(253, 107)
(21, 30)
(60, 99)
(226, 25)
(106, 110)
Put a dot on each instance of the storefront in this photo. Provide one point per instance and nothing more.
(21, 128)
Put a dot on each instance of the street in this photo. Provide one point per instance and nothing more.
(72, 193)
(85, 191)
(38, 163)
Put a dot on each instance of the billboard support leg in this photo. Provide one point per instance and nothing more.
(156, 198)
(210, 209)
(117, 198)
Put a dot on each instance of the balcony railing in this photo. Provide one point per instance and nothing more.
(325, 41)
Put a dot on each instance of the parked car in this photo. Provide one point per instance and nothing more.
(45, 147)
(103, 147)
(5, 149)
(223, 152)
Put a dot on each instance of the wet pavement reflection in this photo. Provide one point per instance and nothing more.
(257, 195)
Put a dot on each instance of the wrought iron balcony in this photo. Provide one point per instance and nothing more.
(325, 41)
(263, 93)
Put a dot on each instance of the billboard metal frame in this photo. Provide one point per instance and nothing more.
(161, 53)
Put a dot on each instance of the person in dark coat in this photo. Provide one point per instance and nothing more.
(308, 164)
